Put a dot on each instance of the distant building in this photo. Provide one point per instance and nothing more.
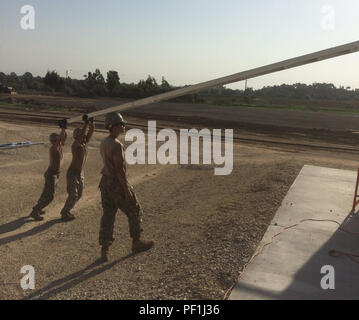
(9, 90)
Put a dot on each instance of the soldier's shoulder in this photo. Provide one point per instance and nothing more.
(111, 143)
(117, 146)
(53, 148)
(105, 141)
(55, 151)
(118, 142)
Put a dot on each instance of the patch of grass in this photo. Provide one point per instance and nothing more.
(42, 107)
(23, 106)
(307, 106)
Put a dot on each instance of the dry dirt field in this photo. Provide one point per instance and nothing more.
(205, 226)
(250, 117)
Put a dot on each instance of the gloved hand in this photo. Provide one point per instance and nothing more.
(62, 124)
(85, 118)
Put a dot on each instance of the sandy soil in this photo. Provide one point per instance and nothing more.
(205, 226)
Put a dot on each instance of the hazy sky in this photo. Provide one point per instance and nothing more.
(186, 41)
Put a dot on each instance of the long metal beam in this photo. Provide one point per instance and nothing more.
(256, 72)
(18, 145)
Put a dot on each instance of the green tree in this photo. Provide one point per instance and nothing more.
(28, 80)
(2, 78)
(165, 86)
(112, 81)
(148, 87)
(95, 83)
(54, 81)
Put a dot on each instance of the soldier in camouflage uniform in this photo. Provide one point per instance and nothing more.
(52, 174)
(75, 175)
(116, 192)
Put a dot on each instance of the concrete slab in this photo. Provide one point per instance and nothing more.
(290, 267)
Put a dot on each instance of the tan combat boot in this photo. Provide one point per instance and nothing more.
(36, 216)
(140, 245)
(67, 217)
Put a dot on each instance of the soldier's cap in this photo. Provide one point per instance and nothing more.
(112, 119)
(77, 132)
(53, 136)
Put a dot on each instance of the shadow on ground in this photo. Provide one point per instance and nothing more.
(14, 225)
(74, 279)
(11, 226)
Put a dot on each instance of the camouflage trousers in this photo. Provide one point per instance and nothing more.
(75, 186)
(48, 193)
(113, 198)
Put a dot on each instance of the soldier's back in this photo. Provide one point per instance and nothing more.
(109, 149)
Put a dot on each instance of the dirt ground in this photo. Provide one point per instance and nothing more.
(205, 226)
(231, 116)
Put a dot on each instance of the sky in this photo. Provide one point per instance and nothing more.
(185, 41)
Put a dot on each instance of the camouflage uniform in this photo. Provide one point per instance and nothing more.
(113, 198)
(48, 193)
(75, 185)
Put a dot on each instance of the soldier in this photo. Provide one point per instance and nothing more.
(52, 174)
(75, 176)
(116, 192)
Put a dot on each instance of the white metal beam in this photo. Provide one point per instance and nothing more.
(274, 67)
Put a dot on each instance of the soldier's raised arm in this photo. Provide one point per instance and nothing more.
(63, 134)
(91, 130)
(85, 119)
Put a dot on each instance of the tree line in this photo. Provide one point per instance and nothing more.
(95, 84)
